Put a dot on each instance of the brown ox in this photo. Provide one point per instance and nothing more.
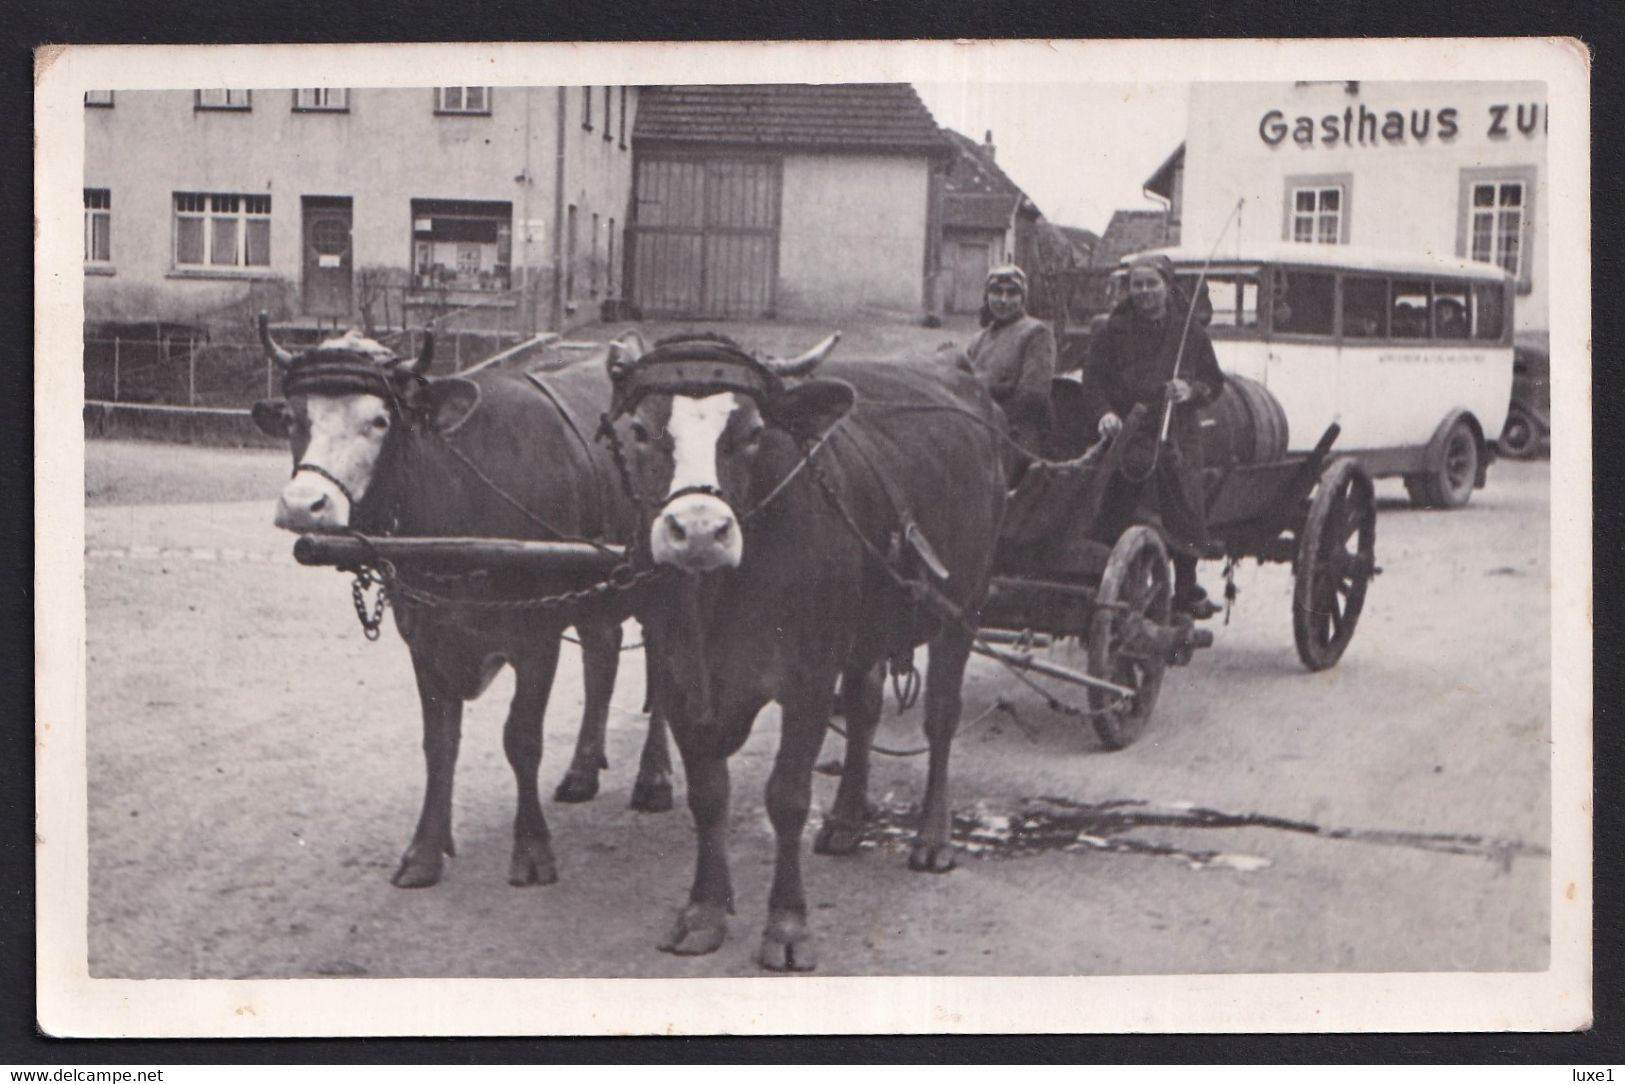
(790, 586)
(380, 448)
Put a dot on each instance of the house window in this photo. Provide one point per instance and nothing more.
(608, 135)
(216, 230)
(461, 244)
(321, 100)
(98, 225)
(224, 99)
(1317, 214)
(593, 268)
(467, 100)
(570, 254)
(623, 118)
(1497, 224)
(101, 98)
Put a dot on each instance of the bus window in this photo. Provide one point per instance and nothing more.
(1302, 303)
(1408, 318)
(1489, 305)
(1450, 311)
(1235, 299)
(1365, 307)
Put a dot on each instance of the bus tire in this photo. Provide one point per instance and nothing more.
(1449, 482)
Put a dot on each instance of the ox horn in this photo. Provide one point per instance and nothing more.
(804, 364)
(425, 356)
(277, 354)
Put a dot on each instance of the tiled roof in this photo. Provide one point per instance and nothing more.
(838, 116)
(1083, 241)
(1162, 181)
(1130, 231)
(977, 193)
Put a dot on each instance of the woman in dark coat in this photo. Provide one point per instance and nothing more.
(1132, 369)
(1014, 355)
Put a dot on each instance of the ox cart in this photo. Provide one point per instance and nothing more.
(1062, 571)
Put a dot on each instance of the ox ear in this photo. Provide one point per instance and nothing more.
(449, 402)
(273, 417)
(808, 409)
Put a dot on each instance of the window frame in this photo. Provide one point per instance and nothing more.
(209, 216)
(95, 103)
(1298, 181)
(105, 211)
(442, 110)
(299, 107)
(1528, 177)
(228, 106)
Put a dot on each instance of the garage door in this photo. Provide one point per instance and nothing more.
(706, 237)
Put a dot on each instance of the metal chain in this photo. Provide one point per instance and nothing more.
(370, 624)
(622, 579)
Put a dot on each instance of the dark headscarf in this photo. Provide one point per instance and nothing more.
(1178, 300)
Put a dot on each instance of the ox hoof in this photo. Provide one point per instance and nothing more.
(652, 797)
(787, 944)
(700, 928)
(420, 868)
(928, 857)
(838, 837)
(577, 787)
(532, 863)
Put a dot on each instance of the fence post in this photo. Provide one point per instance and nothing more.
(191, 373)
(115, 368)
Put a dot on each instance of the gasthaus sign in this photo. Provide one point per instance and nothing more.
(1362, 126)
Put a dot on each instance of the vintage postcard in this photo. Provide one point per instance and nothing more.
(1013, 536)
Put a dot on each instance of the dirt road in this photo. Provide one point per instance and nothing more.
(254, 773)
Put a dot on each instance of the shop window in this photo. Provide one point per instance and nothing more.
(1365, 307)
(1452, 311)
(461, 245)
(225, 99)
(1408, 315)
(99, 98)
(98, 225)
(1317, 209)
(1302, 302)
(474, 101)
(321, 100)
(221, 231)
(1489, 311)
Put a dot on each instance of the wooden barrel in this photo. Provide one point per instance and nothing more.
(1244, 425)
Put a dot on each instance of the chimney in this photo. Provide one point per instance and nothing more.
(987, 145)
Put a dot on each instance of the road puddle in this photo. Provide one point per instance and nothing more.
(1049, 824)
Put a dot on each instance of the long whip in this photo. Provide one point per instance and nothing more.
(1190, 312)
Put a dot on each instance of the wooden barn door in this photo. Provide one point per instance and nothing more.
(706, 237)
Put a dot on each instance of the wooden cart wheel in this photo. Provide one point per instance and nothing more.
(1135, 589)
(1336, 552)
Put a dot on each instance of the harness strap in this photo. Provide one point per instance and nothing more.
(323, 472)
(600, 498)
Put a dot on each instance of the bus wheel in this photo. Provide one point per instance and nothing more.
(1520, 438)
(1450, 484)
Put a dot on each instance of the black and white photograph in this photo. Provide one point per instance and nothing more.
(927, 536)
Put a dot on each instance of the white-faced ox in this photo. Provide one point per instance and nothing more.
(380, 448)
(789, 533)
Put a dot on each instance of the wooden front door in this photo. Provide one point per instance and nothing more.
(327, 256)
(705, 237)
(970, 267)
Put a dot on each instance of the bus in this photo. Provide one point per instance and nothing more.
(1411, 355)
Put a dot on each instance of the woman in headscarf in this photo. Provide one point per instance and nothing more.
(1132, 367)
(1014, 354)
